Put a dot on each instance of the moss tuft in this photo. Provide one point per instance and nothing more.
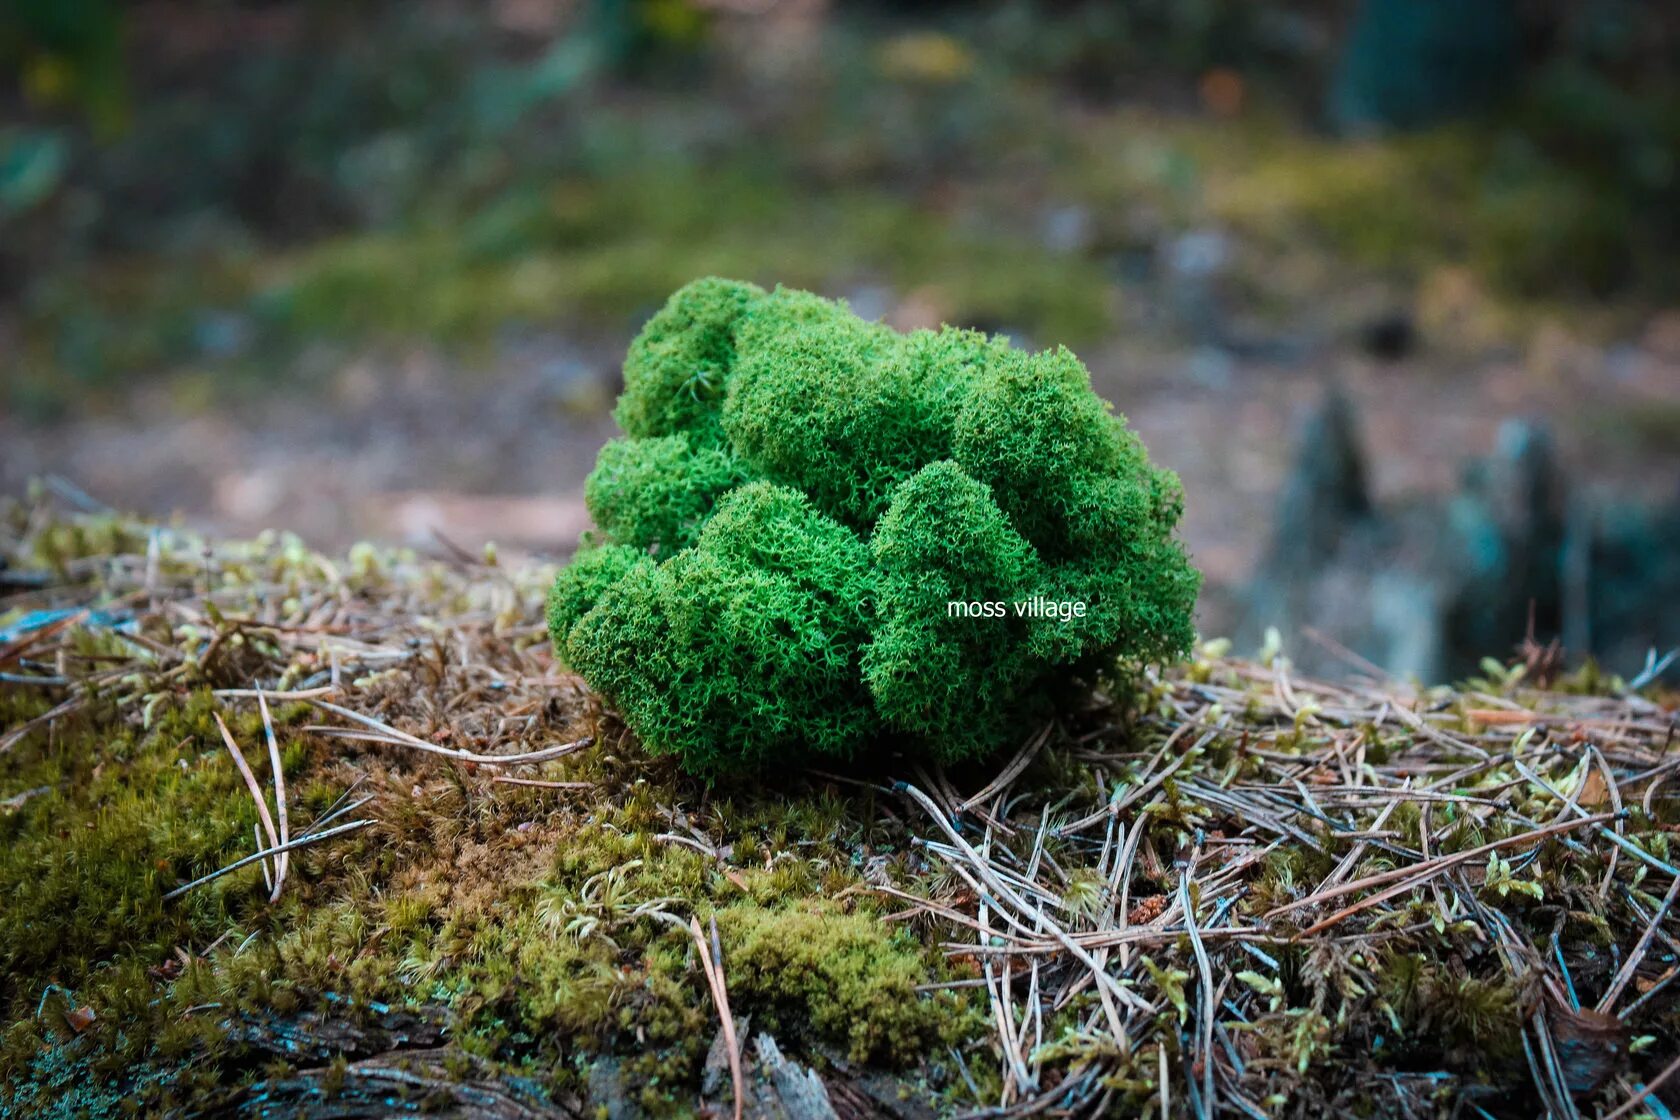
(842, 976)
(813, 492)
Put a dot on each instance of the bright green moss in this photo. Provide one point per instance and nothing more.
(585, 580)
(681, 360)
(743, 645)
(953, 681)
(816, 404)
(802, 497)
(653, 494)
(842, 977)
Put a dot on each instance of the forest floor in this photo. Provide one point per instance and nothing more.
(411, 445)
(373, 293)
(1219, 889)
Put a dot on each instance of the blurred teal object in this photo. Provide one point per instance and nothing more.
(32, 164)
(635, 37)
(95, 620)
(1408, 63)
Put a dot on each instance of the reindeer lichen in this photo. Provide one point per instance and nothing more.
(800, 499)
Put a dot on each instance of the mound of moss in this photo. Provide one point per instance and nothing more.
(802, 496)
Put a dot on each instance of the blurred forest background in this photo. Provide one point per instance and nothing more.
(1394, 285)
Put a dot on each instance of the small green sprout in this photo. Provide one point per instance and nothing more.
(1170, 979)
(1268, 986)
(1501, 880)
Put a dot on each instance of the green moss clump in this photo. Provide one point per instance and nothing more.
(750, 637)
(1465, 1020)
(653, 494)
(801, 497)
(841, 976)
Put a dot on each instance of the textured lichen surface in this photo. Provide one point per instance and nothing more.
(800, 496)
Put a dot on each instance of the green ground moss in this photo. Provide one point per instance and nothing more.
(614, 248)
(123, 815)
(539, 943)
(1465, 1021)
(1535, 234)
(603, 250)
(113, 816)
(840, 976)
(526, 922)
(1536, 227)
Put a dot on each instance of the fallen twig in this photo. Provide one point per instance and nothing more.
(391, 734)
(283, 818)
(267, 853)
(712, 965)
(263, 815)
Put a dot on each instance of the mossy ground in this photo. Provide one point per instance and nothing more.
(522, 910)
(1311, 213)
(512, 934)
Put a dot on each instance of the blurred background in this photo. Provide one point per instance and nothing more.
(1394, 285)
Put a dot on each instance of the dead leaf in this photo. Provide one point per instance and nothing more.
(1499, 716)
(1594, 790)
